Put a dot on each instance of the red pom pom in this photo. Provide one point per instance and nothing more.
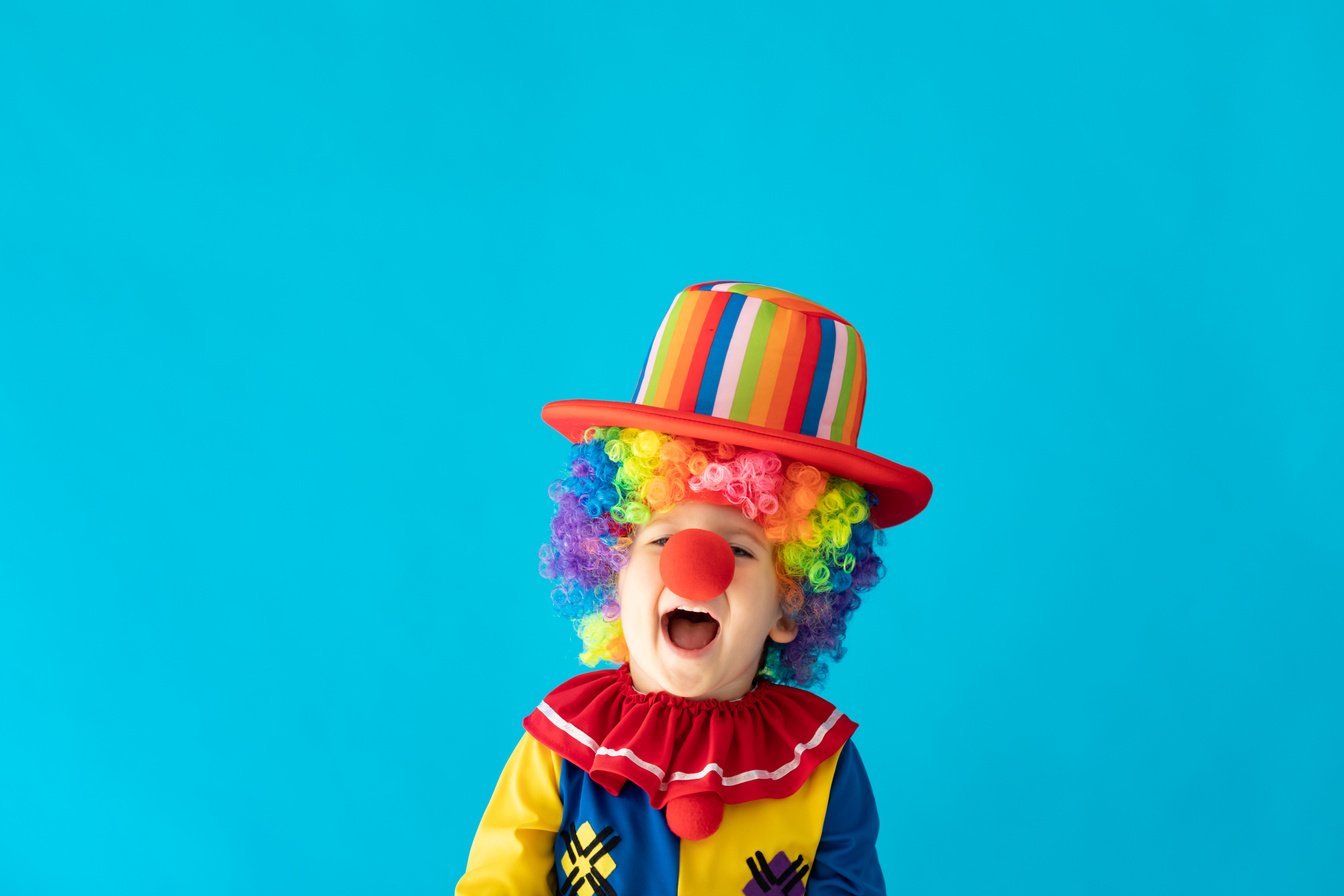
(696, 816)
(697, 564)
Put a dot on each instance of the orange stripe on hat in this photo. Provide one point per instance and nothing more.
(771, 367)
(685, 348)
(802, 384)
(789, 362)
(857, 392)
(696, 372)
(667, 380)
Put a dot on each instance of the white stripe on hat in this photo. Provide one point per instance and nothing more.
(837, 378)
(732, 360)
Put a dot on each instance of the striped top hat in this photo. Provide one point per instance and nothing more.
(761, 368)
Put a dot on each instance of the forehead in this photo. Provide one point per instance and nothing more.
(721, 518)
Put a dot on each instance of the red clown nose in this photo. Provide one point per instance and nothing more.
(697, 564)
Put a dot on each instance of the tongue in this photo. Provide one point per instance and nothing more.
(691, 634)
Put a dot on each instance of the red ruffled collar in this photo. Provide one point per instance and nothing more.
(763, 745)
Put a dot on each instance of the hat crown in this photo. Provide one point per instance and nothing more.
(758, 355)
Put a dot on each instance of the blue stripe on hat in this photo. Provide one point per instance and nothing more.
(718, 351)
(821, 378)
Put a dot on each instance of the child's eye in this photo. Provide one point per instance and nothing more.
(737, 551)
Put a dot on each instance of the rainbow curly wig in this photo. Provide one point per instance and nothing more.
(618, 478)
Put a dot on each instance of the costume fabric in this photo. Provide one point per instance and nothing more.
(579, 808)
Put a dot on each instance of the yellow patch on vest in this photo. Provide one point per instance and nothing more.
(764, 841)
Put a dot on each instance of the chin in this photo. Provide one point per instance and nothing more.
(703, 687)
(688, 685)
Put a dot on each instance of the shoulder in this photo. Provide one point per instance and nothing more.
(534, 761)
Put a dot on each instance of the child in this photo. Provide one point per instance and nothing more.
(712, 537)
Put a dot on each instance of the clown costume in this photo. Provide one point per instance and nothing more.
(711, 538)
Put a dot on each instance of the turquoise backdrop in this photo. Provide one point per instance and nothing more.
(283, 287)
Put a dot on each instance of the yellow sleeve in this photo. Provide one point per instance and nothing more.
(514, 849)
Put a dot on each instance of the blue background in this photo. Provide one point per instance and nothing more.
(283, 287)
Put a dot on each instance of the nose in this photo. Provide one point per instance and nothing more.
(697, 564)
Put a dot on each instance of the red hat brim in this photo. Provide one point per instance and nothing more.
(901, 491)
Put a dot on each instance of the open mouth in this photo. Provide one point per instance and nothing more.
(690, 629)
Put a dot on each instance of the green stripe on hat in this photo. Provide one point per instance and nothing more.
(842, 406)
(751, 362)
